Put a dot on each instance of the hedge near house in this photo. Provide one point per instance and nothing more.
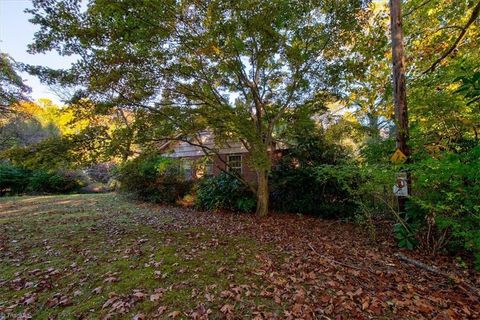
(224, 192)
(154, 178)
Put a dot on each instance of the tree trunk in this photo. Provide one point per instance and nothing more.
(399, 87)
(262, 193)
(399, 82)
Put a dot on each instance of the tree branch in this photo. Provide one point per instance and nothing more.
(431, 269)
(416, 8)
(473, 17)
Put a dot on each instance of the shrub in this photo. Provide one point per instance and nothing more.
(323, 190)
(446, 202)
(154, 178)
(314, 177)
(42, 181)
(13, 180)
(224, 192)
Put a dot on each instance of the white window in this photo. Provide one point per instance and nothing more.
(234, 163)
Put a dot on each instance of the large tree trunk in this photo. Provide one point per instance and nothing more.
(399, 87)
(262, 193)
(399, 82)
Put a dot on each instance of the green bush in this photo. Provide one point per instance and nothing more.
(42, 181)
(224, 192)
(315, 176)
(154, 178)
(13, 180)
(323, 190)
(446, 201)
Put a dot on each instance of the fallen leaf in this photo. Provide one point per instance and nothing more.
(174, 314)
(111, 280)
(30, 300)
(155, 297)
(227, 309)
(161, 310)
(97, 290)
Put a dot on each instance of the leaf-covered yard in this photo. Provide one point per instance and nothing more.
(101, 256)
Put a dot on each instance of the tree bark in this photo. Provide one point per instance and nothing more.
(399, 86)
(262, 193)
(399, 81)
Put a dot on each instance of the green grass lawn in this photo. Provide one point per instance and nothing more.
(90, 256)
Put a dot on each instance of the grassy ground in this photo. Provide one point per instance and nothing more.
(87, 256)
(103, 257)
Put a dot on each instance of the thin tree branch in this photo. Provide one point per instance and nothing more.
(416, 8)
(431, 269)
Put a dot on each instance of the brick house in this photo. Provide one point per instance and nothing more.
(198, 162)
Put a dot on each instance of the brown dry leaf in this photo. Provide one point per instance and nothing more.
(139, 295)
(227, 309)
(97, 290)
(209, 297)
(325, 298)
(161, 310)
(111, 279)
(65, 301)
(227, 294)
(277, 299)
(365, 305)
(155, 297)
(297, 309)
(299, 296)
(30, 300)
(174, 314)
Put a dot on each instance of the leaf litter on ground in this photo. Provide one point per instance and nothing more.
(101, 256)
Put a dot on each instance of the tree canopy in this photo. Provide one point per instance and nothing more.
(12, 88)
(236, 68)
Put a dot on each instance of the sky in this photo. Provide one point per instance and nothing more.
(16, 32)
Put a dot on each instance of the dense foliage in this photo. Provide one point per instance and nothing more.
(154, 178)
(322, 190)
(224, 192)
(313, 177)
(15, 180)
(446, 207)
(12, 87)
(102, 172)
